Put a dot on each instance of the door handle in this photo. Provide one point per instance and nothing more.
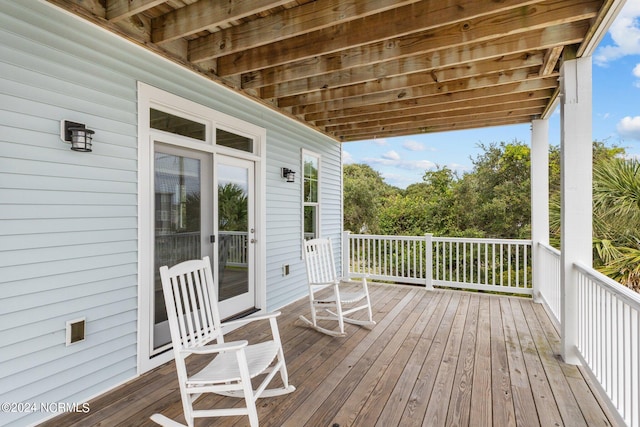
(252, 241)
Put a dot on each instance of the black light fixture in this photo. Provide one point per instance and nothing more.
(289, 174)
(77, 135)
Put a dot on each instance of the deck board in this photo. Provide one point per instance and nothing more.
(434, 358)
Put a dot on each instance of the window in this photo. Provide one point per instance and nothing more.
(311, 194)
(179, 125)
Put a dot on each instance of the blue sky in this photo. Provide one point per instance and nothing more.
(616, 116)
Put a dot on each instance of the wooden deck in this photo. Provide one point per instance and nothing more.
(434, 358)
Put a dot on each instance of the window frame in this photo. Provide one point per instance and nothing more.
(317, 204)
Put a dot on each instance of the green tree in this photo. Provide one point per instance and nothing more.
(495, 198)
(232, 208)
(616, 209)
(364, 191)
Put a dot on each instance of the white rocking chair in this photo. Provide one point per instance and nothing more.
(194, 322)
(321, 272)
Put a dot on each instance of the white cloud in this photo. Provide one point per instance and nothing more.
(390, 160)
(636, 73)
(412, 145)
(391, 155)
(625, 32)
(380, 141)
(629, 127)
(347, 157)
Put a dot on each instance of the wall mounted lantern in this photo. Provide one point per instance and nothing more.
(289, 174)
(77, 135)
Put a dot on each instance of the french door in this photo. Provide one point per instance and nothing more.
(236, 235)
(202, 208)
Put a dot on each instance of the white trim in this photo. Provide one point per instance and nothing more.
(539, 199)
(576, 193)
(148, 97)
(601, 30)
(318, 204)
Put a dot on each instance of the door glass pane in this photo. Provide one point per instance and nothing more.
(177, 223)
(233, 224)
(231, 140)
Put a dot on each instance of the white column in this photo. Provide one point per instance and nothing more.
(428, 242)
(539, 199)
(576, 192)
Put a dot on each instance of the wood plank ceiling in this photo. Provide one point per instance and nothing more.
(361, 69)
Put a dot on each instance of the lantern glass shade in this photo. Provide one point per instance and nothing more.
(77, 135)
(81, 139)
(289, 174)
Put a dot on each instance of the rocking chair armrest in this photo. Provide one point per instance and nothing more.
(259, 316)
(216, 348)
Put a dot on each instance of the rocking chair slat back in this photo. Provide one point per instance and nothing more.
(321, 267)
(198, 322)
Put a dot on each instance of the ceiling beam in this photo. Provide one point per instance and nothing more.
(394, 23)
(534, 104)
(470, 69)
(409, 56)
(452, 126)
(551, 60)
(542, 96)
(206, 14)
(449, 88)
(475, 26)
(117, 10)
(288, 23)
(424, 90)
(526, 113)
(528, 87)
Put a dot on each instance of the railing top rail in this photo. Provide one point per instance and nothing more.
(235, 233)
(483, 240)
(627, 295)
(384, 237)
(442, 239)
(549, 249)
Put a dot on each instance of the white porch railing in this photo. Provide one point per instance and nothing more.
(549, 286)
(496, 265)
(235, 243)
(609, 339)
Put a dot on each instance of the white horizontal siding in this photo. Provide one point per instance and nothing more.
(68, 221)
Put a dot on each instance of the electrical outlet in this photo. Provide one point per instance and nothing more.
(285, 269)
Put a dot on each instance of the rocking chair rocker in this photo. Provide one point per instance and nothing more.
(194, 322)
(321, 273)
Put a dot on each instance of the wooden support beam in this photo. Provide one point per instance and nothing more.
(442, 107)
(117, 10)
(531, 107)
(550, 60)
(410, 56)
(398, 22)
(451, 126)
(463, 85)
(286, 24)
(513, 113)
(206, 14)
(473, 24)
(315, 87)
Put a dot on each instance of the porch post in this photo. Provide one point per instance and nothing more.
(576, 192)
(428, 243)
(539, 199)
(346, 256)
